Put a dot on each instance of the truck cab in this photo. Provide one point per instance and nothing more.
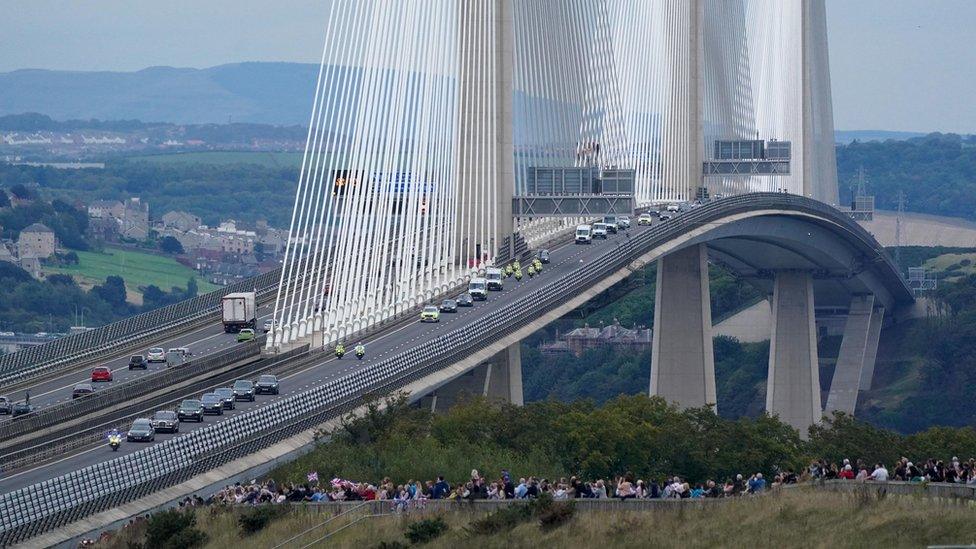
(584, 234)
(495, 279)
(478, 288)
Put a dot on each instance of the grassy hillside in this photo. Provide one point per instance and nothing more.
(794, 518)
(223, 158)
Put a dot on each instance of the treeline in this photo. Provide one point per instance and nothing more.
(637, 434)
(937, 173)
(68, 222)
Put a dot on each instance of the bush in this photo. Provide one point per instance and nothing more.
(173, 528)
(391, 545)
(502, 520)
(254, 519)
(423, 531)
(556, 515)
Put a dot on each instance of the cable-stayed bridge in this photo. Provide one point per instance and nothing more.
(440, 133)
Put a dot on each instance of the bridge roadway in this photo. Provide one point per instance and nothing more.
(203, 341)
(563, 261)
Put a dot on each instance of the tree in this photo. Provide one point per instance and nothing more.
(112, 292)
(191, 287)
(4, 199)
(22, 192)
(171, 245)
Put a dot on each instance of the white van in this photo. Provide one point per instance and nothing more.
(478, 288)
(496, 281)
(584, 234)
(674, 207)
(600, 230)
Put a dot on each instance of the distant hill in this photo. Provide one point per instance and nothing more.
(265, 93)
(848, 136)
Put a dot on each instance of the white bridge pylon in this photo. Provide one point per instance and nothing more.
(428, 114)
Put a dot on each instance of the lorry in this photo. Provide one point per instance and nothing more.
(239, 311)
(495, 279)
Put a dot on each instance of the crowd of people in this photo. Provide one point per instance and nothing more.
(932, 470)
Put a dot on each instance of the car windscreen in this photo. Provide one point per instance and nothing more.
(164, 415)
(141, 424)
(242, 384)
(189, 404)
(430, 309)
(224, 391)
(210, 399)
(267, 379)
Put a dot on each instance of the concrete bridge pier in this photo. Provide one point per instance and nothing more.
(499, 379)
(793, 382)
(871, 353)
(846, 382)
(682, 363)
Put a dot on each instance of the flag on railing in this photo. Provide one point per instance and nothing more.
(313, 476)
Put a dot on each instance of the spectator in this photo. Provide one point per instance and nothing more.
(847, 473)
(757, 484)
(880, 474)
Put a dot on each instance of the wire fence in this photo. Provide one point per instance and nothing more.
(53, 503)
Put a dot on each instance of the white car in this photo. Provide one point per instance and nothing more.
(623, 221)
(666, 216)
(673, 207)
(584, 234)
(156, 354)
(645, 219)
(268, 325)
(599, 230)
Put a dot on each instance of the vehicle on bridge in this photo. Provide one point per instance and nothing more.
(165, 420)
(673, 207)
(6, 406)
(645, 219)
(268, 325)
(190, 409)
(600, 230)
(478, 288)
(543, 256)
(138, 361)
(465, 300)
(584, 234)
(665, 216)
(174, 357)
(82, 389)
(495, 278)
(101, 373)
(245, 334)
(266, 384)
(610, 222)
(449, 306)
(239, 311)
(156, 354)
(227, 394)
(185, 351)
(623, 221)
(430, 314)
(244, 390)
(22, 409)
(212, 404)
(141, 431)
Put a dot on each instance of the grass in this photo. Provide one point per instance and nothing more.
(136, 268)
(801, 517)
(954, 265)
(222, 158)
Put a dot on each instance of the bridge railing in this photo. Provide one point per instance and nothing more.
(41, 507)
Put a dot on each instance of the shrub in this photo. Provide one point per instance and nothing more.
(556, 515)
(254, 519)
(502, 520)
(425, 530)
(173, 528)
(391, 545)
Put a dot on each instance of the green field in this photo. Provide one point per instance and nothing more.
(136, 268)
(223, 158)
(954, 265)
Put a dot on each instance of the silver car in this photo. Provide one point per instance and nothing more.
(156, 354)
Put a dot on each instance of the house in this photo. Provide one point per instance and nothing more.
(135, 219)
(615, 335)
(181, 221)
(36, 241)
(106, 209)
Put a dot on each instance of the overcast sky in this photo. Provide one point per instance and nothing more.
(896, 64)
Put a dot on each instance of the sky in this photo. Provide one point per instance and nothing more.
(902, 65)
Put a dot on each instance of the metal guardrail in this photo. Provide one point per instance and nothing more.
(126, 392)
(44, 506)
(19, 366)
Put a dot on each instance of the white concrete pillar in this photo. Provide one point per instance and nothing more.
(846, 382)
(499, 379)
(793, 383)
(682, 363)
(871, 351)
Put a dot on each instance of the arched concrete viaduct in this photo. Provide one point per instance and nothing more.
(801, 251)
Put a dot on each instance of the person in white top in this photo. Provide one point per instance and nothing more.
(880, 474)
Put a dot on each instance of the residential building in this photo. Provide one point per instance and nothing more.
(106, 209)
(581, 339)
(36, 241)
(181, 221)
(135, 219)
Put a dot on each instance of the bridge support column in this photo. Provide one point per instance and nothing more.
(871, 352)
(498, 379)
(682, 363)
(846, 382)
(793, 383)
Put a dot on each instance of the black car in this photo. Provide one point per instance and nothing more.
(449, 306)
(212, 404)
(141, 431)
(81, 390)
(244, 390)
(165, 420)
(6, 405)
(267, 384)
(190, 410)
(22, 409)
(465, 300)
(227, 395)
(544, 256)
(138, 361)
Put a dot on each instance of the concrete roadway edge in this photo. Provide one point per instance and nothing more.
(259, 463)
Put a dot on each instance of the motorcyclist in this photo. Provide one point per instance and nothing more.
(340, 350)
(518, 265)
(518, 274)
(531, 271)
(114, 439)
(360, 350)
(538, 266)
(509, 270)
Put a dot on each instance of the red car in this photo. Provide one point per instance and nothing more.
(101, 374)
